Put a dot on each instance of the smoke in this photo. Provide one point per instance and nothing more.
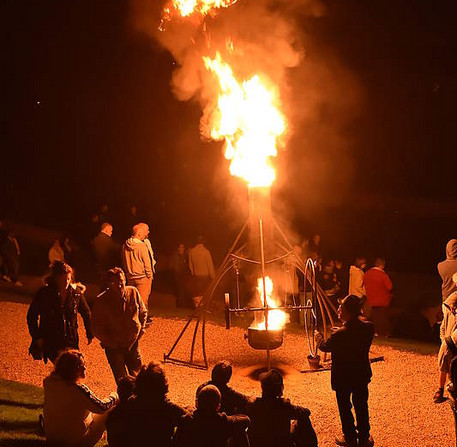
(320, 95)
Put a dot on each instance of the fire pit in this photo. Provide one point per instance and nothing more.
(262, 339)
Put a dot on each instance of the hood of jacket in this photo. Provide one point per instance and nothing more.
(451, 250)
(131, 243)
(353, 269)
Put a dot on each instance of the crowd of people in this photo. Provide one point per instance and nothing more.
(121, 314)
(223, 416)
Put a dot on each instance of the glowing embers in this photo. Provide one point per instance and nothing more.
(248, 119)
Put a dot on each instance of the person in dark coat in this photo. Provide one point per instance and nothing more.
(106, 251)
(275, 421)
(150, 419)
(232, 402)
(351, 370)
(207, 427)
(447, 268)
(52, 317)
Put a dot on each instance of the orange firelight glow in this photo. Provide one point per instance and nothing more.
(276, 317)
(185, 8)
(248, 118)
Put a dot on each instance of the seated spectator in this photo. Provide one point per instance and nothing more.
(56, 253)
(272, 417)
(149, 417)
(206, 427)
(232, 402)
(118, 435)
(73, 414)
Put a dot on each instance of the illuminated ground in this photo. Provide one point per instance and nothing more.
(402, 412)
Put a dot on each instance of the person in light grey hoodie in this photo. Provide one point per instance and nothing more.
(139, 263)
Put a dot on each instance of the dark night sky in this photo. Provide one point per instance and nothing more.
(87, 117)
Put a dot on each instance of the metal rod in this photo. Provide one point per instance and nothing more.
(258, 309)
(265, 302)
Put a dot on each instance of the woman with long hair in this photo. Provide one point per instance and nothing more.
(73, 414)
(52, 317)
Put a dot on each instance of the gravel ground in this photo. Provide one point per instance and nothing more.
(401, 407)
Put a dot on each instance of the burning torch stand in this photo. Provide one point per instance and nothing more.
(318, 302)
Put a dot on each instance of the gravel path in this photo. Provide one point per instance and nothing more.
(401, 407)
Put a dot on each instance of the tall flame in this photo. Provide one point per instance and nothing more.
(276, 317)
(248, 119)
(185, 8)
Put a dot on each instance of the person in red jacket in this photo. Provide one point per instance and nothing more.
(378, 288)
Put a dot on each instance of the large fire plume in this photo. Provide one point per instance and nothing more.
(276, 317)
(248, 119)
(186, 8)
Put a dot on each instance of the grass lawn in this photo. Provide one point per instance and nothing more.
(20, 406)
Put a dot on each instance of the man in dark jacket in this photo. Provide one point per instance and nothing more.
(351, 371)
(272, 416)
(447, 268)
(52, 317)
(232, 402)
(206, 427)
(106, 250)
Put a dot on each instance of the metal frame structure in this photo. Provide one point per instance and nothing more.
(319, 310)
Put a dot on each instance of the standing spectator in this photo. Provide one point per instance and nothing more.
(327, 280)
(314, 245)
(351, 371)
(378, 287)
(342, 278)
(447, 268)
(139, 263)
(11, 254)
(150, 418)
(232, 402)
(73, 414)
(206, 427)
(52, 317)
(56, 253)
(445, 355)
(106, 250)
(202, 268)
(118, 321)
(272, 417)
(181, 274)
(356, 274)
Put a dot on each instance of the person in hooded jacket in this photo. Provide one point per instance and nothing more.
(356, 274)
(447, 268)
(445, 355)
(139, 263)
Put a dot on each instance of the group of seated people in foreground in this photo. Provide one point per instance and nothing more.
(140, 413)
